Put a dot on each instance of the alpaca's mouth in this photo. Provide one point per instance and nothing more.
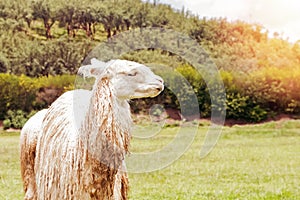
(153, 88)
(151, 91)
(159, 88)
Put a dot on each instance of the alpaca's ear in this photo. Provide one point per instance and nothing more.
(85, 71)
(89, 71)
(97, 63)
(94, 70)
(108, 71)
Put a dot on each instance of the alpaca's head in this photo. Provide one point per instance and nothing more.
(129, 79)
(133, 80)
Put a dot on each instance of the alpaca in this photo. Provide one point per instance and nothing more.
(86, 134)
(29, 135)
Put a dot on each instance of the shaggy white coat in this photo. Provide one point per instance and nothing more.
(84, 136)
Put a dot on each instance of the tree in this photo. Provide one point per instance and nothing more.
(87, 17)
(142, 15)
(160, 15)
(67, 18)
(43, 10)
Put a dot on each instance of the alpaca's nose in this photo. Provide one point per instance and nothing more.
(159, 79)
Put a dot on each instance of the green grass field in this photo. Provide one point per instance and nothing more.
(249, 162)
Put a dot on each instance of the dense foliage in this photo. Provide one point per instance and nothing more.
(47, 38)
(27, 94)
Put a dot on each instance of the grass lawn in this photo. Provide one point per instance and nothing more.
(249, 162)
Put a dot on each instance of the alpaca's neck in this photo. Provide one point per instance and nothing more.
(106, 127)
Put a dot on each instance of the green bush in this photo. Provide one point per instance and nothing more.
(199, 86)
(185, 82)
(6, 124)
(242, 107)
(50, 88)
(239, 104)
(27, 94)
(15, 119)
(16, 93)
(250, 97)
(274, 89)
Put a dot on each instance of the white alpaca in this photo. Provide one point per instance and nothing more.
(31, 130)
(79, 158)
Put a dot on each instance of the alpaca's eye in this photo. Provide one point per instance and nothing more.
(132, 74)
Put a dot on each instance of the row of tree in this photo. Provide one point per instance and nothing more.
(28, 27)
(113, 16)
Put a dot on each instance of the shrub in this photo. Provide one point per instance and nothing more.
(6, 124)
(274, 89)
(15, 119)
(243, 108)
(27, 94)
(199, 87)
(50, 88)
(185, 82)
(16, 93)
(239, 104)
(251, 97)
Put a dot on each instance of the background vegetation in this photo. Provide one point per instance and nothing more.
(41, 39)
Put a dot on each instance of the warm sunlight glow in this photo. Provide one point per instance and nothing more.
(279, 16)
